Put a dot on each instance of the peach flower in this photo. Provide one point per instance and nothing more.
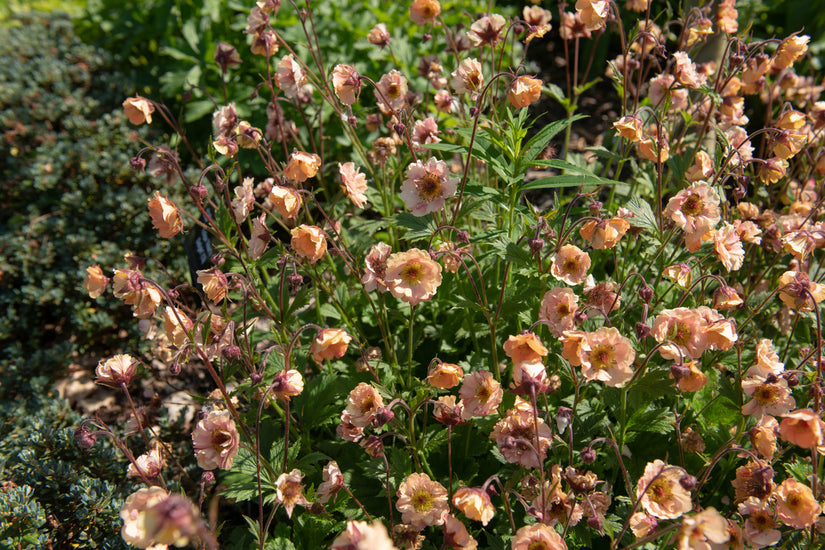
(289, 491)
(363, 403)
(682, 328)
(524, 347)
(412, 276)
(360, 535)
(309, 242)
(444, 375)
(796, 505)
(138, 110)
(803, 428)
(480, 394)
(703, 530)
(286, 201)
(515, 436)
(468, 78)
(570, 265)
(593, 13)
(695, 210)
(391, 92)
(426, 186)
(771, 395)
(694, 380)
(165, 216)
(147, 465)
(116, 370)
(423, 12)
(760, 525)
(353, 183)
(260, 237)
(789, 51)
(347, 83)
(456, 535)
(216, 441)
(728, 247)
(95, 281)
(607, 356)
(571, 344)
(604, 234)
(537, 537)
(133, 514)
(796, 291)
(763, 436)
(422, 501)
(302, 166)
(214, 282)
(376, 267)
(558, 308)
(333, 481)
(474, 502)
(523, 91)
(291, 77)
(661, 492)
(630, 127)
(330, 343)
(287, 383)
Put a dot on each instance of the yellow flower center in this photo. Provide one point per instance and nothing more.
(538, 545)
(412, 273)
(602, 358)
(693, 205)
(660, 491)
(766, 394)
(429, 187)
(422, 501)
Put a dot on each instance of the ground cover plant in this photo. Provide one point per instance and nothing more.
(402, 351)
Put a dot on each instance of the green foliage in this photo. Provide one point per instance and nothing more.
(55, 494)
(69, 196)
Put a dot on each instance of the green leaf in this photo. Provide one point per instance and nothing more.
(644, 215)
(190, 34)
(419, 226)
(566, 180)
(537, 143)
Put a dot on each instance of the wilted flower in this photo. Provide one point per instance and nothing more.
(289, 491)
(763, 436)
(147, 465)
(333, 481)
(424, 132)
(347, 83)
(309, 242)
(302, 166)
(660, 491)
(226, 55)
(480, 394)
(216, 441)
(243, 201)
(426, 186)
(95, 281)
(726, 17)
(360, 535)
(214, 283)
(379, 35)
(260, 237)
(686, 73)
(523, 91)
(456, 535)
(165, 216)
(593, 13)
(391, 91)
(422, 501)
(516, 434)
(570, 265)
(486, 31)
(412, 276)
(291, 77)
(116, 370)
(138, 110)
(330, 343)
(376, 267)
(468, 78)
(728, 247)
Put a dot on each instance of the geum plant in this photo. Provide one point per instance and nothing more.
(406, 353)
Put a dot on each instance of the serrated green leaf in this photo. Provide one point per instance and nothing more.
(419, 226)
(565, 180)
(644, 215)
(190, 34)
(537, 143)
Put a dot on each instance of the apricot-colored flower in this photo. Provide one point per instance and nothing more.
(456, 535)
(760, 525)
(729, 248)
(148, 465)
(412, 276)
(630, 127)
(444, 375)
(216, 441)
(423, 12)
(660, 491)
(772, 170)
(133, 514)
(694, 380)
(422, 501)
(515, 436)
(287, 383)
(333, 481)
(330, 343)
(214, 282)
(681, 274)
(302, 166)
(360, 535)
(347, 83)
(796, 291)
(523, 91)
(695, 209)
(524, 347)
(803, 428)
(468, 78)
(771, 395)
(593, 13)
(260, 237)
(243, 201)
(789, 51)
(165, 216)
(654, 151)
(703, 531)
(286, 201)
(426, 186)
(682, 329)
(291, 77)
(480, 394)
(642, 524)
(571, 343)
(701, 169)
(116, 370)
(379, 35)
(685, 71)
(570, 265)
(138, 110)
(289, 491)
(604, 234)
(95, 281)
(309, 242)
(796, 505)
(474, 502)
(446, 411)
(537, 537)
(763, 436)
(363, 403)
(424, 132)
(558, 308)
(607, 356)
(726, 17)
(391, 92)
